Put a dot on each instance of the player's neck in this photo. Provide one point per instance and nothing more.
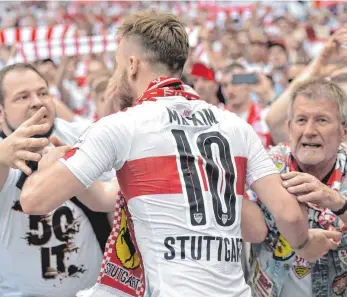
(143, 81)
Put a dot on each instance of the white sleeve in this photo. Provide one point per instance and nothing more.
(105, 145)
(259, 162)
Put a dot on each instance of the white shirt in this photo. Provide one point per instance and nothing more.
(189, 240)
(35, 257)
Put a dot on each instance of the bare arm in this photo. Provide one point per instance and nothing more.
(101, 196)
(277, 116)
(56, 182)
(253, 225)
(290, 218)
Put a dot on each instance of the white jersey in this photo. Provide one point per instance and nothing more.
(182, 166)
(54, 255)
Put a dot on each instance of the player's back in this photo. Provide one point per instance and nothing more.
(183, 181)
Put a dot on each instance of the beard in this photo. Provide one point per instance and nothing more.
(13, 128)
(125, 95)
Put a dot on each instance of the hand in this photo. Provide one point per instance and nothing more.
(19, 147)
(320, 242)
(307, 188)
(52, 153)
(263, 88)
(333, 46)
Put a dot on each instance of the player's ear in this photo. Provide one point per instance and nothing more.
(134, 66)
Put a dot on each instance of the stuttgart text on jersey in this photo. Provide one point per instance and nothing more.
(203, 248)
(204, 117)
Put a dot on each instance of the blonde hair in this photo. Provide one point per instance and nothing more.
(321, 88)
(162, 36)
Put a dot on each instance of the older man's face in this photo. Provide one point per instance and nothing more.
(315, 131)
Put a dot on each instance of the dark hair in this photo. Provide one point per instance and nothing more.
(233, 66)
(46, 61)
(14, 67)
(278, 44)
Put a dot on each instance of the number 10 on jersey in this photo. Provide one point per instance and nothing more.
(215, 150)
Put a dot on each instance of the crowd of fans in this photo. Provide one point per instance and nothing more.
(247, 58)
(274, 41)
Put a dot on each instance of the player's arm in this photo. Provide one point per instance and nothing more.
(100, 196)
(49, 188)
(291, 220)
(265, 181)
(253, 226)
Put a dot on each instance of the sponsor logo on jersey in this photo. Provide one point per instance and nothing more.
(198, 217)
(283, 251)
(340, 284)
(209, 248)
(125, 248)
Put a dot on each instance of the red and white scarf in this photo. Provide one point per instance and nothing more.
(167, 87)
(127, 275)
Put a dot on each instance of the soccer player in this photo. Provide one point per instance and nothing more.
(181, 165)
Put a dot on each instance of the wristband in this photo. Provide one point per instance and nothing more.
(342, 210)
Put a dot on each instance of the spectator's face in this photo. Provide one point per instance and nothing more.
(25, 93)
(277, 57)
(258, 52)
(207, 89)
(315, 131)
(235, 94)
(243, 37)
(95, 67)
(28, 21)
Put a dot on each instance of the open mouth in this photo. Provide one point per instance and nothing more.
(311, 145)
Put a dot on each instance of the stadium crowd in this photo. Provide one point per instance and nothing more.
(275, 71)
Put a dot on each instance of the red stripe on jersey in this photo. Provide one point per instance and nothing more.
(202, 172)
(150, 176)
(241, 166)
(159, 175)
(70, 153)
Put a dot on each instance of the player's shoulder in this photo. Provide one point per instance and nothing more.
(68, 132)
